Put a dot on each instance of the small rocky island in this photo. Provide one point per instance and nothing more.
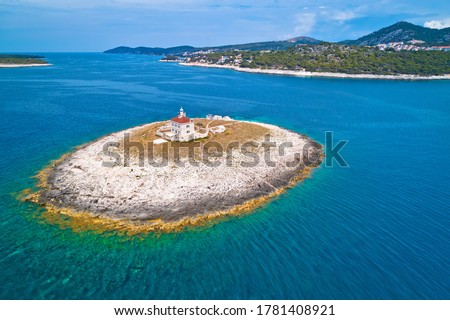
(21, 60)
(168, 175)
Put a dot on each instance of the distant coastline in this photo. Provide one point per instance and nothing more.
(319, 74)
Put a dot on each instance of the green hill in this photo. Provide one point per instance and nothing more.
(403, 31)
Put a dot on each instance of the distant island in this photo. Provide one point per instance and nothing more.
(400, 51)
(19, 60)
(180, 50)
(168, 175)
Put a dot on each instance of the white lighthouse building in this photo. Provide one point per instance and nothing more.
(182, 127)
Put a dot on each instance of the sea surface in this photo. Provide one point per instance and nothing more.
(377, 229)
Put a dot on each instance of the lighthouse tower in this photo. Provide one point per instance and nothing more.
(182, 126)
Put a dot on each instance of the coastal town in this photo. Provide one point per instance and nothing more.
(396, 60)
(412, 45)
(235, 57)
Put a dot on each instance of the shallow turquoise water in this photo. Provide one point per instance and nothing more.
(376, 230)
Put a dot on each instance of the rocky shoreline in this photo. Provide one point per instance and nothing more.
(179, 194)
(3, 65)
(319, 74)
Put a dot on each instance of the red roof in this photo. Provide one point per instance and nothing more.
(182, 119)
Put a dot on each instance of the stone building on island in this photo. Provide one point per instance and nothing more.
(182, 127)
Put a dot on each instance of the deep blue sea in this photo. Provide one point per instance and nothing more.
(379, 229)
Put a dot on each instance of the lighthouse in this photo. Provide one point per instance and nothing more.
(182, 127)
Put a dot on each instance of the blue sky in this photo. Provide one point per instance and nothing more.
(97, 25)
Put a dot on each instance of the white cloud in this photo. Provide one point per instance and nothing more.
(304, 23)
(342, 16)
(438, 24)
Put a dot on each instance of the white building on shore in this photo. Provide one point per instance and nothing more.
(182, 127)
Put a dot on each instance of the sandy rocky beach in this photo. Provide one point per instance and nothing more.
(172, 194)
(320, 74)
(24, 65)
